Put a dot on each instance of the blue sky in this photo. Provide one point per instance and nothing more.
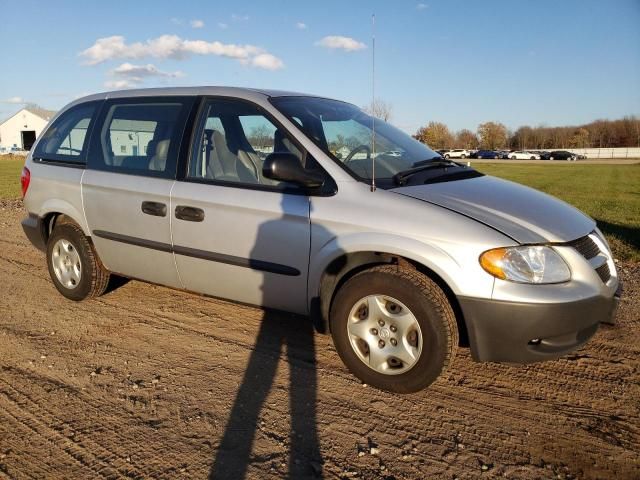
(460, 61)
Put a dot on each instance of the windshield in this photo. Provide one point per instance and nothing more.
(345, 133)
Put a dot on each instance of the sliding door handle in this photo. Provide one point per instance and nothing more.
(190, 214)
(156, 209)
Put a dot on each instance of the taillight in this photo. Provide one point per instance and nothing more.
(25, 178)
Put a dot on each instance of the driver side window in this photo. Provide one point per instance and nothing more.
(234, 138)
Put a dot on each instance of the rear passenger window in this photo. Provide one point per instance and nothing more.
(141, 137)
(65, 140)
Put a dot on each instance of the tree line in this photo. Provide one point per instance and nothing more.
(624, 132)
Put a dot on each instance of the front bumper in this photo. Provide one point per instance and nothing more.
(523, 332)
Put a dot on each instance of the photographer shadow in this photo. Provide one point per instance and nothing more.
(278, 331)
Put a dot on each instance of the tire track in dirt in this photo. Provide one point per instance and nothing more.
(142, 381)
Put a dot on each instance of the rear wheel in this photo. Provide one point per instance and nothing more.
(394, 328)
(551, 158)
(463, 156)
(446, 156)
(74, 266)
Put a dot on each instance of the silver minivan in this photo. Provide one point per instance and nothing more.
(308, 205)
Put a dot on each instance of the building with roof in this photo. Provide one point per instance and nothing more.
(19, 132)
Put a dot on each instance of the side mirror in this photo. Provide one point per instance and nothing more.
(286, 167)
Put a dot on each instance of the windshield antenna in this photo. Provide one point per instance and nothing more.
(373, 102)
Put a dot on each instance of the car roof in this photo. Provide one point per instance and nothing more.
(247, 93)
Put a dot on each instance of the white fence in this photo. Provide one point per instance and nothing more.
(631, 152)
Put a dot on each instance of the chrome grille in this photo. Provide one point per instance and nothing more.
(603, 272)
(586, 247)
(589, 250)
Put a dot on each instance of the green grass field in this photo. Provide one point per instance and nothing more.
(608, 193)
(10, 168)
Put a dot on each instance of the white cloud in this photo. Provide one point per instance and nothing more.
(223, 25)
(120, 84)
(196, 23)
(347, 44)
(129, 75)
(15, 100)
(239, 18)
(148, 70)
(421, 6)
(169, 46)
(267, 61)
(301, 26)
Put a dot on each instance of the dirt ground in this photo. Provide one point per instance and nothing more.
(147, 382)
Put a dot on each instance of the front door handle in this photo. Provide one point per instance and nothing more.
(190, 214)
(156, 209)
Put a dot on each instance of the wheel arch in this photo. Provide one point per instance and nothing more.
(54, 211)
(345, 262)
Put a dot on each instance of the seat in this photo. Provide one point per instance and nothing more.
(225, 165)
(282, 144)
(158, 161)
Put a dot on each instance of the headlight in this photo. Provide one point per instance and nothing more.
(526, 264)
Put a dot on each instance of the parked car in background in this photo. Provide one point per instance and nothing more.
(393, 153)
(562, 155)
(544, 155)
(457, 153)
(580, 156)
(523, 155)
(485, 154)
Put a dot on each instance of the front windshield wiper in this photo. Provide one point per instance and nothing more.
(401, 177)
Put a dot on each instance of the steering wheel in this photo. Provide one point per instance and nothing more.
(356, 150)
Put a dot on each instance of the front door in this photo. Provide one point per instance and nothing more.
(126, 189)
(236, 234)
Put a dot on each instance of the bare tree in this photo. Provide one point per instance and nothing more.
(436, 135)
(466, 139)
(260, 136)
(379, 109)
(580, 138)
(624, 132)
(492, 135)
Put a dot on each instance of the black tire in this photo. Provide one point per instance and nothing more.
(94, 277)
(447, 156)
(429, 305)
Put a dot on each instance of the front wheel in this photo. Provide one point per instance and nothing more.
(447, 156)
(394, 328)
(74, 266)
(463, 156)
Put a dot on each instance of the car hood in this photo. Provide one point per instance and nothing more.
(522, 213)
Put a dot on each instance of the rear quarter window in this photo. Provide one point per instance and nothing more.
(66, 139)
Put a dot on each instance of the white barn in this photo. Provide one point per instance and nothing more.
(21, 129)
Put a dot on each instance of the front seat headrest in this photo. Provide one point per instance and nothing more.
(159, 160)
